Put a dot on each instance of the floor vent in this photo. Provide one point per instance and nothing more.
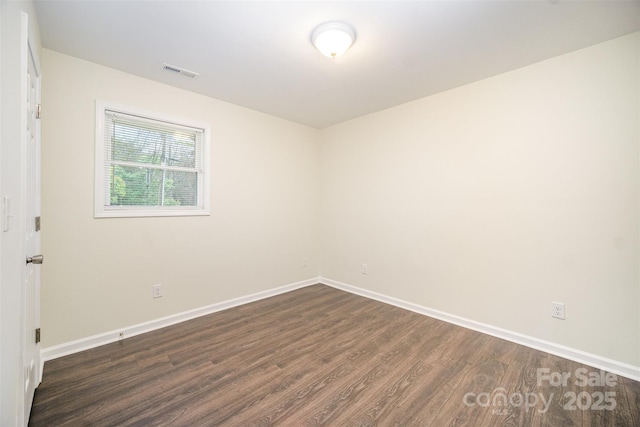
(181, 71)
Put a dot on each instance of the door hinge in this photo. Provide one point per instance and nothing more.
(38, 111)
(37, 223)
(38, 336)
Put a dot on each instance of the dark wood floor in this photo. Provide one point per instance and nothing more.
(320, 356)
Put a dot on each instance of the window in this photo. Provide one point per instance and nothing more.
(148, 165)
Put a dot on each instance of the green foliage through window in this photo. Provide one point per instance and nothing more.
(151, 163)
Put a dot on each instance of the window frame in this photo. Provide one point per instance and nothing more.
(118, 211)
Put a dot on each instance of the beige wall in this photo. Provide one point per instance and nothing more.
(98, 272)
(494, 199)
(488, 202)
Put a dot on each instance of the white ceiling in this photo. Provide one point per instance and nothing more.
(259, 55)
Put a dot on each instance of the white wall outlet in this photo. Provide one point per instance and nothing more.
(365, 269)
(557, 310)
(157, 290)
(304, 262)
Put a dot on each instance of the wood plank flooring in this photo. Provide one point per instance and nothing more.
(320, 356)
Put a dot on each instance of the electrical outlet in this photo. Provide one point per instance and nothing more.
(304, 262)
(557, 310)
(365, 269)
(157, 290)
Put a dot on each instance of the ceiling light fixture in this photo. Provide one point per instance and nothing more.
(333, 39)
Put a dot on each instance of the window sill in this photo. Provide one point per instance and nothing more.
(133, 213)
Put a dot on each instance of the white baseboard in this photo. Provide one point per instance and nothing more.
(598, 362)
(87, 343)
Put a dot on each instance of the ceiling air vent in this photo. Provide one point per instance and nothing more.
(181, 71)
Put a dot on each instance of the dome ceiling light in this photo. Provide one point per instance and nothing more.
(333, 39)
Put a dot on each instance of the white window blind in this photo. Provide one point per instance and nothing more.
(150, 166)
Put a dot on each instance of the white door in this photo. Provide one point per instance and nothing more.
(31, 282)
